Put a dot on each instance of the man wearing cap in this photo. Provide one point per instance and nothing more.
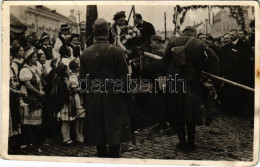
(157, 46)
(46, 49)
(209, 40)
(146, 30)
(61, 40)
(107, 121)
(183, 104)
(157, 98)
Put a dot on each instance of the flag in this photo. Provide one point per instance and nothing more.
(91, 18)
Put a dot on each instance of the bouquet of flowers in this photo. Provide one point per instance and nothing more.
(33, 103)
(132, 32)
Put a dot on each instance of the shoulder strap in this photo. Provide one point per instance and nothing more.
(191, 38)
(12, 70)
(108, 50)
(103, 62)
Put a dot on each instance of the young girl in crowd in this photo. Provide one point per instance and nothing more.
(66, 110)
(65, 56)
(74, 84)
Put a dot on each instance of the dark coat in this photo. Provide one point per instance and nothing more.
(235, 67)
(184, 106)
(234, 60)
(107, 113)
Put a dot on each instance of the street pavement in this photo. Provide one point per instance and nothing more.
(227, 138)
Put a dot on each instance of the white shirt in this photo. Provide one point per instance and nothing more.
(15, 66)
(57, 46)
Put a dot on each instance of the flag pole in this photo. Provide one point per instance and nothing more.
(165, 28)
(130, 14)
(133, 7)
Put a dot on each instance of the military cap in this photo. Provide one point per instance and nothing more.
(100, 24)
(189, 28)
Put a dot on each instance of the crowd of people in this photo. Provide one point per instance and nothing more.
(45, 74)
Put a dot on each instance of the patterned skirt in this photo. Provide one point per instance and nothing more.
(80, 109)
(64, 114)
(31, 117)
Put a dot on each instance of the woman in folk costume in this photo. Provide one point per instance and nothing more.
(74, 84)
(15, 97)
(14, 44)
(74, 46)
(18, 59)
(64, 101)
(31, 115)
(46, 49)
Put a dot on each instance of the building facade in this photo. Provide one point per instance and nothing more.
(223, 22)
(41, 19)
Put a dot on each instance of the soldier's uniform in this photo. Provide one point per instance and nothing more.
(184, 107)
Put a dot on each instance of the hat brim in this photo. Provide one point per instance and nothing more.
(65, 28)
(45, 38)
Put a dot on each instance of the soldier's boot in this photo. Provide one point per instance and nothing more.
(191, 137)
(180, 127)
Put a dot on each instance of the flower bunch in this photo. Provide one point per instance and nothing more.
(33, 103)
(132, 32)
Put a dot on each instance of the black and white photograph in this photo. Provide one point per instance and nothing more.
(161, 81)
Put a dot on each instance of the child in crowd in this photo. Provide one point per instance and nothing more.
(64, 101)
(74, 84)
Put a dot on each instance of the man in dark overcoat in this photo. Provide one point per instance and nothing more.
(235, 58)
(106, 106)
(184, 103)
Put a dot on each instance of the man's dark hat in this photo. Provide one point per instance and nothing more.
(156, 38)
(44, 36)
(64, 27)
(100, 24)
(189, 28)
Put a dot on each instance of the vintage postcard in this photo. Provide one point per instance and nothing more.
(131, 82)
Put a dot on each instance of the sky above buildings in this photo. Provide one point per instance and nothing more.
(153, 14)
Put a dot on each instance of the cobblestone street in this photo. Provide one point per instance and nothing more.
(227, 138)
